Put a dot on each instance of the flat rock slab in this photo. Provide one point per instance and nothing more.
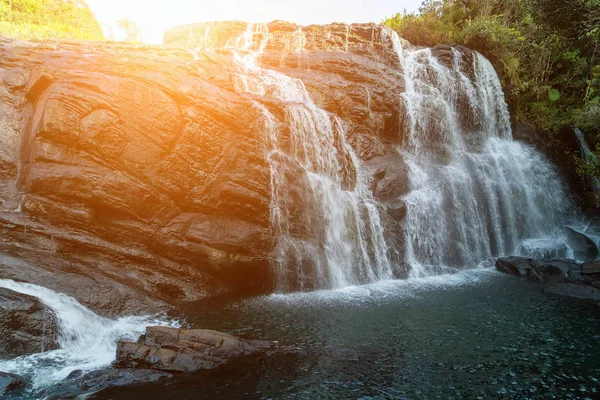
(184, 350)
(592, 269)
(573, 290)
(81, 383)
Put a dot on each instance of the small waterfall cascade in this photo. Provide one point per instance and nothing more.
(588, 156)
(326, 223)
(476, 193)
(87, 341)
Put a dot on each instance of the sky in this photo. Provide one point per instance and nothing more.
(154, 16)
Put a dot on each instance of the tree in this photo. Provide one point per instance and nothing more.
(132, 30)
(48, 19)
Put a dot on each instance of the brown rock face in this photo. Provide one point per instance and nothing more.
(184, 350)
(27, 326)
(134, 178)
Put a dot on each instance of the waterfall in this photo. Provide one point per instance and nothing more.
(327, 226)
(475, 192)
(87, 341)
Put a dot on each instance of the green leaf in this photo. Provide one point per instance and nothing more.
(553, 95)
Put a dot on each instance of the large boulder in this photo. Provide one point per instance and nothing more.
(11, 384)
(583, 247)
(184, 350)
(26, 325)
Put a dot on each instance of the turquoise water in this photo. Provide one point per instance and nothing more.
(477, 334)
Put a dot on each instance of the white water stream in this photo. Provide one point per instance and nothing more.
(315, 187)
(87, 341)
(476, 193)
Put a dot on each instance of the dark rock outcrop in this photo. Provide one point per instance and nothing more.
(133, 177)
(26, 326)
(11, 384)
(566, 278)
(591, 269)
(184, 350)
(583, 247)
(95, 381)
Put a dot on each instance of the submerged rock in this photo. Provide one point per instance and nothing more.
(94, 381)
(26, 325)
(10, 384)
(184, 350)
(583, 247)
(574, 290)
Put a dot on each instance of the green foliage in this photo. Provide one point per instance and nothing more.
(48, 19)
(590, 168)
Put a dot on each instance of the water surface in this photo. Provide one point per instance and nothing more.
(477, 334)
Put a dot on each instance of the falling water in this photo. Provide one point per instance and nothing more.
(87, 341)
(475, 192)
(326, 223)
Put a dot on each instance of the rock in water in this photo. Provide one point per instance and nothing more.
(517, 266)
(184, 350)
(591, 269)
(26, 325)
(583, 247)
(542, 248)
(578, 291)
(11, 383)
(96, 381)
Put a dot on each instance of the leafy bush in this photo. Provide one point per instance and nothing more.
(48, 19)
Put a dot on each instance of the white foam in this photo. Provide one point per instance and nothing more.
(87, 340)
(384, 289)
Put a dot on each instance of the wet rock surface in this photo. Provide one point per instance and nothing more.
(133, 177)
(184, 350)
(11, 384)
(95, 381)
(583, 247)
(562, 277)
(26, 325)
(517, 266)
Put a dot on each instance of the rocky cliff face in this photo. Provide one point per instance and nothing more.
(134, 177)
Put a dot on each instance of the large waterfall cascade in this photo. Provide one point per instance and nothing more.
(315, 184)
(475, 192)
(87, 341)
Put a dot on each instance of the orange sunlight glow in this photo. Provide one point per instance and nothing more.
(154, 17)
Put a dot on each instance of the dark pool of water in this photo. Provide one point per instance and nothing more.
(473, 335)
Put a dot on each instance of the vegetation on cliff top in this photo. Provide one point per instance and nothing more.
(546, 51)
(48, 19)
